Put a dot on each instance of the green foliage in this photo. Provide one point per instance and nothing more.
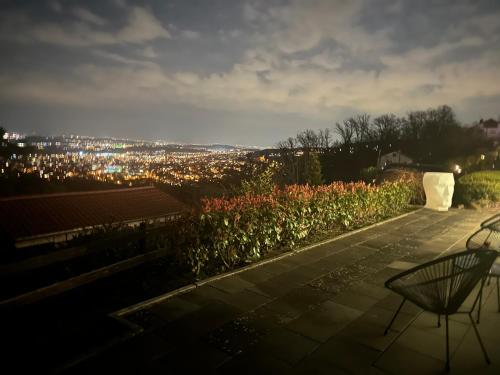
(260, 182)
(230, 232)
(412, 177)
(312, 172)
(478, 188)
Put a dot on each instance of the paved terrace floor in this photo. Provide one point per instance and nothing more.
(320, 311)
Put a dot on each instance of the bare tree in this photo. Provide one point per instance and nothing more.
(289, 161)
(308, 140)
(361, 127)
(387, 128)
(325, 138)
(345, 131)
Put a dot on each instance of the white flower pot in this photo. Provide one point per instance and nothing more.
(438, 189)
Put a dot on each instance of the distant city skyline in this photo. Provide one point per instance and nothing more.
(234, 72)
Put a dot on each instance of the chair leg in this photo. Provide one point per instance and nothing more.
(439, 320)
(479, 339)
(479, 298)
(447, 345)
(498, 292)
(480, 303)
(394, 317)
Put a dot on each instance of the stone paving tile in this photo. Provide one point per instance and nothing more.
(297, 261)
(324, 310)
(285, 345)
(469, 359)
(355, 300)
(427, 322)
(204, 295)
(174, 308)
(349, 356)
(322, 323)
(247, 300)
(317, 366)
(298, 301)
(256, 275)
(272, 288)
(255, 363)
(324, 250)
(370, 290)
(197, 324)
(309, 256)
(393, 301)
(369, 332)
(343, 276)
(199, 357)
(402, 265)
(380, 277)
(310, 272)
(399, 360)
(382, 241)
(271, 318)
(296, 277)
(231, 284)
(238, 335)
(278, 267)
(147, 320)
(426, 343)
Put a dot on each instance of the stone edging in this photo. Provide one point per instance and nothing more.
(152, 301)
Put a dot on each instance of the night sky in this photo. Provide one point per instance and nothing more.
(240, 72)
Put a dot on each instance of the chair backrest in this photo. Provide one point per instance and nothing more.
(442, 285)
(492, 221)
(486, 237)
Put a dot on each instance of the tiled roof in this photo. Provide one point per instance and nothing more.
(35, 215)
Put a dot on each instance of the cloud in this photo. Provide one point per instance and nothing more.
(190, 34)
(114, 57)
(55, 6)
(149, 52)
(141, 26)
(314, 59)
(87, 16)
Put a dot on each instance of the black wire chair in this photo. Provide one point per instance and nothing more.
(488, 236)
(442, 285)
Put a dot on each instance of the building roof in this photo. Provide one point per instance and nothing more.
(490, 123)
(37, 215)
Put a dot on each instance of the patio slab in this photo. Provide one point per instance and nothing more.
(323, 310)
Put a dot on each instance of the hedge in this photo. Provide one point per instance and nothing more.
(478, 188)
(230, 232)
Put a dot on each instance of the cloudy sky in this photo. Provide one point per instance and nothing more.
(245, 72)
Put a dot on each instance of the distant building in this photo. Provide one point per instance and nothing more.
(491, 128)
(50, 218)
(396, 157)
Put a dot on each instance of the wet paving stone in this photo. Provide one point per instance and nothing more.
(174, 308)
(236, 336)
(146, 319)
(199, 357)
(285, 345)
(319, 312)
(323, 322)
(339, 279)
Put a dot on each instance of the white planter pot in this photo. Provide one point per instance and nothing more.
(438, 189)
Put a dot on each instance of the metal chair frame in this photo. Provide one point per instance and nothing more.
(443, 294)
(490, 229)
